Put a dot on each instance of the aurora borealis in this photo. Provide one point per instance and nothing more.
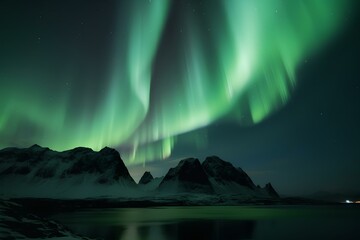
(154, 77)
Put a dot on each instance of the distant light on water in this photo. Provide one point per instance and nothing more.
(348, 201)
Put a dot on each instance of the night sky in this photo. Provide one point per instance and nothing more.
(271, 85)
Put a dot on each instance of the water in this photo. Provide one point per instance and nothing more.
(220, 222)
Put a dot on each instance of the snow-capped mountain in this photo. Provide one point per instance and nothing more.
(84, 173)
(213, 176)
(80, 172)
(225, 177)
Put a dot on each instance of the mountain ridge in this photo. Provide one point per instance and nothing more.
(78, 172)
(81, 172)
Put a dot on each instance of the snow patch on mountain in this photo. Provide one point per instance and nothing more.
(76, 173)
(39, 172)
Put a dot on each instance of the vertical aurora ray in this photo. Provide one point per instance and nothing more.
(115, 116)
(127, 101)
(227, 58)
(288, 33)
(253, 55)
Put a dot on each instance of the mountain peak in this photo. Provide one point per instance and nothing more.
(187, 176)
(79, 167)
(271, 191)
(222, 171)
(35, 146)
(82, 168)
(146, 178)
(107, 150)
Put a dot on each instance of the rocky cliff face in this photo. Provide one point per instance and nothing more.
(213, 176)
(224, 172)
(28, 171)
(83, 173)
(187, 176)
(271, 191)
(146, 178)
(17, 222)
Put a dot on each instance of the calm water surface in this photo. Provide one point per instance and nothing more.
(220, 222)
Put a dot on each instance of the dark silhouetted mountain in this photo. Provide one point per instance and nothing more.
(214, 175)
(146, 178)
(271, 191)
(41, 171)
(187, 176)
(83, 173)
(224, 172)
(227, 179)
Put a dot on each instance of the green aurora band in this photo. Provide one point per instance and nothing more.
(238, 59)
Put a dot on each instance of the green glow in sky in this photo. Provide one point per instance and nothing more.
(233, 58)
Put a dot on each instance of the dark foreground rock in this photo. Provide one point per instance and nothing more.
(17, 223)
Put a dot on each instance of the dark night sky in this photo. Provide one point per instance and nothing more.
(272, 86)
